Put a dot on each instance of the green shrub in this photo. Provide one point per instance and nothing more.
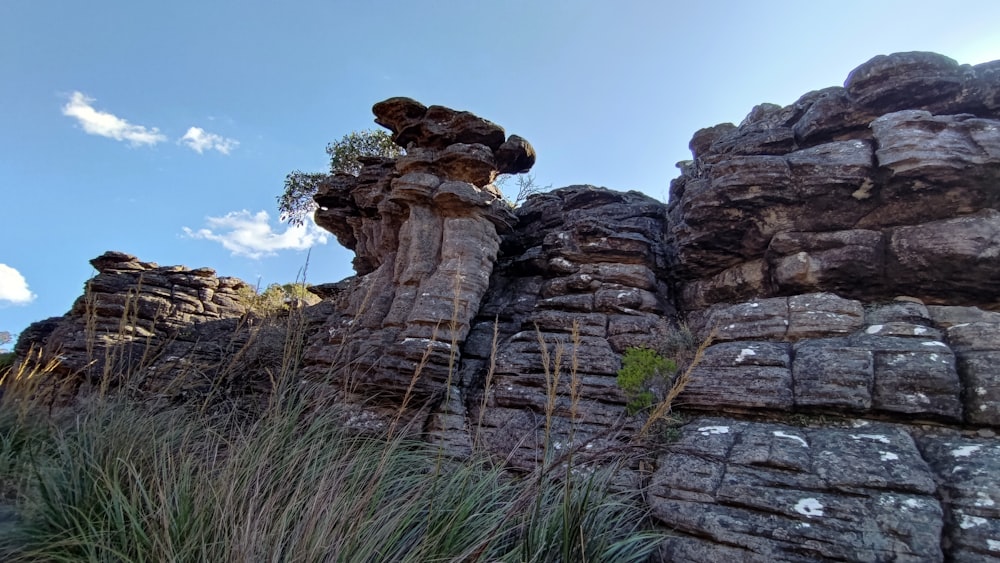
(642, 369)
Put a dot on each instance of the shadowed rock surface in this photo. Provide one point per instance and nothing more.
(166, 330)
(844, 251)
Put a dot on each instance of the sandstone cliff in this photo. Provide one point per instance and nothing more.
(845, 250)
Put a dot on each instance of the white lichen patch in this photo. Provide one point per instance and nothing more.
(874, 329)
(860, 423)
(561, 263)
(993, 545)
(980, 391)
(913, 503)
(919, 330)
(799, 439)
(882, 438)
(707, 430)
(428, 342)
(934, 343)
(965, 451)
(971, 521)
(887, 456)
(809, 507)
(917, 398)
(744, 354)
(983, 500)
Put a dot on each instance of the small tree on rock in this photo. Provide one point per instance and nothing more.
(296, 203)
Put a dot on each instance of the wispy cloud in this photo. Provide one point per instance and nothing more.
(250, 234)
(13, 287)
(96, 122)
(199, 140)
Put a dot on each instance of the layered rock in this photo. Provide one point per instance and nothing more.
(746, 491)
(426, 228)
(581, 279)
(842, 252)
(169, 330)
(884, 187)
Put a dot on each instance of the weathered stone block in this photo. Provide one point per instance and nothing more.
(968, 469)
(741, 374)
(980, 375)
(832, 373)
(791, 482)
(915, 378)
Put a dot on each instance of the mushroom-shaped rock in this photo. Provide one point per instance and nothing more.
(435, 127)
(398, 113)
(515, 156)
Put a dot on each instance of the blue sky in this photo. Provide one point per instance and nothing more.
(165, 129)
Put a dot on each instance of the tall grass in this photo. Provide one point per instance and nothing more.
(111, 478)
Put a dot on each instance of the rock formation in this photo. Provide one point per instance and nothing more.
(890, 179)
(582, 273)
(426, 229)
(843, 252)
(166, 330)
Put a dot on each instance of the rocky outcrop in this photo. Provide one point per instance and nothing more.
(843, 254)
(884, 187)
(166, 330)
(749, 491)
(426, 228)
(580, 280)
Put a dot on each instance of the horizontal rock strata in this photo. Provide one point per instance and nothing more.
(890, 180)
(168, 330)
(842, 253)
(426, 228)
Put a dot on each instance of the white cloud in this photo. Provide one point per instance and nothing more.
(13, 287)
(246, 234)
(109, 125)
(197, 139)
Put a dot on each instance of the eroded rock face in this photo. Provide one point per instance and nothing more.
(583, 275)
(167, 330)
(426, 228)
(881, 188)
(749, 491)
(843, 252)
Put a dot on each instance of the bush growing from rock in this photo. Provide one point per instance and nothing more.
(641, 369)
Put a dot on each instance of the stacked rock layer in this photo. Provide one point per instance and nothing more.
(168, 330)
(426, 228)
(843, 253)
